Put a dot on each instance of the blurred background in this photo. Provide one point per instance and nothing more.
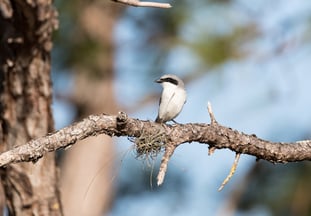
(250, 59)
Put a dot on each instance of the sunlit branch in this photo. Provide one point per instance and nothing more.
(137, 3)
(214, 135)
(232, 171)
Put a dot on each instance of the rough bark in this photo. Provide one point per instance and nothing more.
(171, 136)
(25, 95)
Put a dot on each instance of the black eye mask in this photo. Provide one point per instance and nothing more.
(170, 80)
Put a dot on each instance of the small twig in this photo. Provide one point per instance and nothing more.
(137, 3)
(211, 150)
(211, 114)
(232, 171)
(163, 167)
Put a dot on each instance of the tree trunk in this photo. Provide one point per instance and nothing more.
(88, 168)
(25, 109)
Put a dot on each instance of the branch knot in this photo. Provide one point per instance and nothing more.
(121, 120)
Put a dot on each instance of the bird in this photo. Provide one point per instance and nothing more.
(172, 99)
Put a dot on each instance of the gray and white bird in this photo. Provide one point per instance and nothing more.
(172, 99)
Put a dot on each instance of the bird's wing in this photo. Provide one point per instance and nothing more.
(169, 101)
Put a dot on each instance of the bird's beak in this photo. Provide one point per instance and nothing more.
(158, 81)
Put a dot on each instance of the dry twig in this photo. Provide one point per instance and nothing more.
(137, 3)
(211, 114)
(232, 171)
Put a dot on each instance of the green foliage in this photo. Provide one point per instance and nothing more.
(282, 189)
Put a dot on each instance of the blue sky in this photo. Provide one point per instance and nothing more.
(266, 94)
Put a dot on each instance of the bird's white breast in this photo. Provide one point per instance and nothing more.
(172, 101)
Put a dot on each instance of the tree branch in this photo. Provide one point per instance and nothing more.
(137, 3)
(215, 135)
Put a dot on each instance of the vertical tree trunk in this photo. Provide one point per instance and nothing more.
(25, 103)
(88, 168)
